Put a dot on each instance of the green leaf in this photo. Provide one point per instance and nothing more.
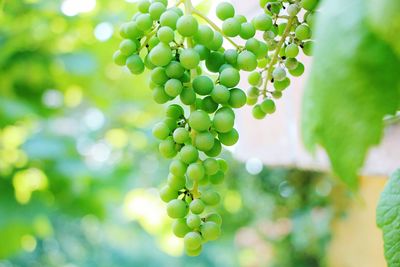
(354, 83)
(384, 19)
(388, 219)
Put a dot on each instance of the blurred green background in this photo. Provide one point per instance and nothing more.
(79, 169)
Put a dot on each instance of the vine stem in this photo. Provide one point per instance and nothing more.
(212, 24)
(276, 54)
(147, 38)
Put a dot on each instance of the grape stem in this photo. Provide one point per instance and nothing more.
(147, 38)
(276, 54)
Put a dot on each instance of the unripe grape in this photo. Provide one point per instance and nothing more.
(237, 98)
(180, 228)
(225, 10)
(167, 194)
(135, 64)
(292, 50)
(231, 27)
(169, 18)
(199, 120)
(174, 70)
(210, 198)
(192, 240)
(224, 120)
(156, 9)
(171, 122)
(197, 206)
(204, 35)
(173, 87)
(229, 77)
(216, 42)
(132, 31)
(291, 63)
(215, 61)
(230, 138)
(303, 32)
(127, 47)
(230, 56)
(204, 141)
(187, 25)
(144, 22)
(167, 148)
(189, 58)
(298, 71)
(223, 165)
(165, 34)
(203, 51)
(308, 47)
(209, 105)
(177, 167)
(279, 73)
(282, 85)
(211, 166)
(247, 61)
(193, 221)
(309, 4)
(216, 150)
(189, 154)
(217, 178)
(177, 208)
(254, 78)
(181, 135)
(143, 6)
(161, 55)
(203, 85)
(176, 182)
(159, 95)
(119, 58)
(214, 217)
(251, 100)
(258, 113)
(277, 94)
(293, 9)
(253, 92)
(193, 252)
(252, 45)
(247, 30)
(268, 106)
(164, 2)
(175, 112)
(158, 76)
(263, 3)
(188, 96)
(220, 94)
(210, 231)
(161, 131)
(195, 171)
(262, 22)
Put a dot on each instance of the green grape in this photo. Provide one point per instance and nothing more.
(310, 18)
(176, 182)
(291, 63)
(161, 55)
(181, 135)
(203, 85)
(258, 113)
(309, 4)
(214, 217)
(177, 167)
(132, 31)
(174, 70)
(231, 27)
(251, 100)
(262, 22)
(127, 47)
(187, 25)
(279, 73)
(247, 61)
(195, 171)
(158, 76)
(210, 198)
(193, 221)
(188, 154)
(189, 58)
(196, 206)
(193, 252)
(292, 50)
(225, 11)
(167, 148)
(282, 28)
(156, 9)
(247, 30)
(220, 94)
(282, 85)
(275, 8)
(188, 96)
(277, 94)
(169, 18)
(119, 58)
(203, 51)
(161, 131)
(253, 92)
(180, 228)
(230, 138)
(164, 2)
(210, 231)
(204, 141)
(199, 120)
(223, 165)
(224, 120)
(216, 150)
(160, 96)
(167, 194)
(268, 106)
(240, 18)
(143, 6)
(204, 35)
(209, 105)
(217, 178)
(230, 56)
(215, 61)
(171, 122)
(211, 166)
(192, 240)
(135, 64)
(308, 47)
(148, 63)
(293, 9)
(237, 98)
(254, 78)
(252, 45)
(173, 87)
(177, 10)
(144, 22)
(216, 42)
(177, 208)
(175, 112)
(153, 42)
(303, 32)
(165, 34)
(229, 77)
(298, 71)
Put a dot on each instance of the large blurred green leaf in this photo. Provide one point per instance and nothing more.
(354, 83)
(388, 219)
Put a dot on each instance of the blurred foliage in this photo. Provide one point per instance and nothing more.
(79, 168)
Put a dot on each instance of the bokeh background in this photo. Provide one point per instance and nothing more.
(79, 168)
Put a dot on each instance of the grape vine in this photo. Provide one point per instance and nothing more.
(188, 60)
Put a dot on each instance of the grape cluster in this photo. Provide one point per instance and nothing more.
(285, 34)
(190, 67)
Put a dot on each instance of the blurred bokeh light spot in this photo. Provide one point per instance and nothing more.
(73, 96)
(74, 7)
(118, 138)
(52, 98)
(233, 201)
(28, 243)
(254, 166)
(94, 119)
(26, 182)
(103, 31)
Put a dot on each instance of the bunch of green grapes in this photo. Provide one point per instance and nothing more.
(191, 67)
(285, 34)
